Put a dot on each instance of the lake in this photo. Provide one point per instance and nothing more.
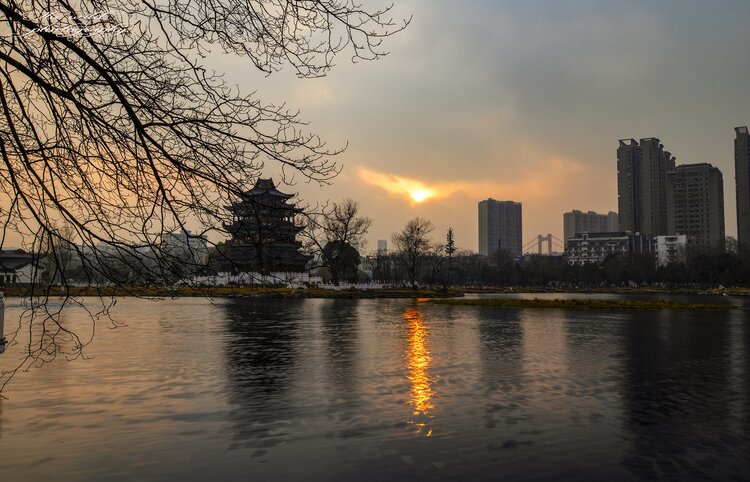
(307, 389)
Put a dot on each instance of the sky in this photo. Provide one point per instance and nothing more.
(523, 101)
(519, 100)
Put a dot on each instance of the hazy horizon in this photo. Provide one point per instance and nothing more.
(522, 101)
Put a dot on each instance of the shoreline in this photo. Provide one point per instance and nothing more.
(581, 304)
(233, 292)
(618, 291)
(351, 293)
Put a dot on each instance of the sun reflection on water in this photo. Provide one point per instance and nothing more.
(418, 362)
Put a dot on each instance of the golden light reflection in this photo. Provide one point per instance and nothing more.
(418, 362)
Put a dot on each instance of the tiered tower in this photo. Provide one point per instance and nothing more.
(264, 232)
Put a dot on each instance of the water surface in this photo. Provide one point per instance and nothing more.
(384, 390)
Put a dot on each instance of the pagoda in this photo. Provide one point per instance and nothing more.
(263, 232)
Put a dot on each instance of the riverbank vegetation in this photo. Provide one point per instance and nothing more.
(582, 304)
(702, 270)
(231, 292)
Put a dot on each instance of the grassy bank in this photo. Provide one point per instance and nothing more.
(583, 304)
(232, 292)
(617, 290)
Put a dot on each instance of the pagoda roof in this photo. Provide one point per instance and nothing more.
(266, 186)
(12, 260)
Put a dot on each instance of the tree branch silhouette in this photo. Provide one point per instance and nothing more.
(111, 126)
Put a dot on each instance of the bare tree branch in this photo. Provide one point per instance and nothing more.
(111, 126)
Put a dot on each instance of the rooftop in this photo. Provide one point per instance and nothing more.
(266, 186)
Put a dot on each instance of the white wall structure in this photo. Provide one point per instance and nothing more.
(670, 249)
(183, 244)
(290, 279)
(586, 248)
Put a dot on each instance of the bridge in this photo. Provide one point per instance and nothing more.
(540, 241)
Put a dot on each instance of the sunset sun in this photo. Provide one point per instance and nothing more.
(419, 195)
(413, 190)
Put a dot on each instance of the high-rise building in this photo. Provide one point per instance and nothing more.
(576, 222)
(382, 247)
(742, 178)
(500, 226)
(641, 185)
(628, 185)
(695, 200)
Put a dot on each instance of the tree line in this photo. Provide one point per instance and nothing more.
(335, 238)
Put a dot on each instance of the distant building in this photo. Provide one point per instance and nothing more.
(264, 232)
(742, 178)
(629, 184)
(695, 200)
(189, 247)
(596, 247)
(670, 249)
(500, 226)
(586, 248)
(589, 222)
(16, 266)
(641, 244)
(641, 185)
(382, 247)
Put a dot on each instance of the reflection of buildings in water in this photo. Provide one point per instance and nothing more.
(591, 360)
(677, 391)
(745, 330)
(501, 334)
(262, 351)
(501, 354)
(340, 319)
(417, 363)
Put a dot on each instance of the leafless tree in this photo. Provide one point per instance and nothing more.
(111, 124)
(434, 262)
(338, 222)
(412, 244)
(342, 224)
(57, 258)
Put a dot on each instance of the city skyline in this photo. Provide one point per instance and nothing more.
(523, 101)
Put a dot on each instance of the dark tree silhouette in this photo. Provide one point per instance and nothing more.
(450, 249)
(342, 260)
(111, 124)
(342, 224)
(412, 244)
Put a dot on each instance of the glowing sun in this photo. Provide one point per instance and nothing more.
(419, 195)
(413, 190)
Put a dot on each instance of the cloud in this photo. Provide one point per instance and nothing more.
(529, 182)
